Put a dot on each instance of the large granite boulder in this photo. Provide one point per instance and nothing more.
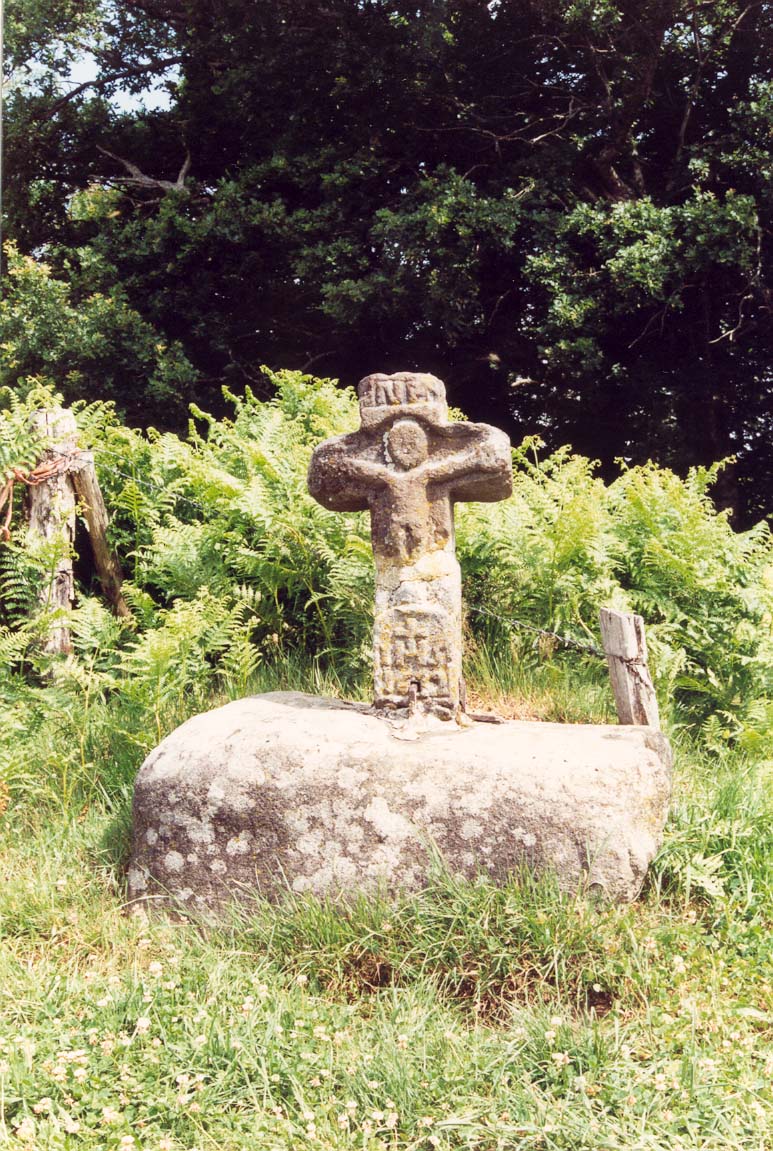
(288, 791)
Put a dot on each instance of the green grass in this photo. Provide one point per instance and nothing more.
(559, 691)
(465, 1016)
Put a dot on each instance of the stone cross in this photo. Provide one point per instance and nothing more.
(408, 466)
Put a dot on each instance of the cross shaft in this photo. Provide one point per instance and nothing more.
(408, 466)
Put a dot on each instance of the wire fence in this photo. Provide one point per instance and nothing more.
(143, 485)
(564, 640)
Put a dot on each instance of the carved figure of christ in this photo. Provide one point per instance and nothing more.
(409, 477)
(408, 473)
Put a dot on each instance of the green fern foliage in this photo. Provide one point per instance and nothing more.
(566, 545)
(233, 569)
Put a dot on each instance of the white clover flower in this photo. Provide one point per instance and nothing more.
(26, 1128)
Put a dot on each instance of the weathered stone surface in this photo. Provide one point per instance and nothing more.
(408, 466)
(292, 791)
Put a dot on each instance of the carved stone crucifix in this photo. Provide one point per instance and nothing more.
(408, 466)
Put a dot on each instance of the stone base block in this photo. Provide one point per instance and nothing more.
(289, 791)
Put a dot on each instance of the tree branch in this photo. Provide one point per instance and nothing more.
(702, 56)
(138, 178)
(105, 81)
(165, 12)
(311, 360)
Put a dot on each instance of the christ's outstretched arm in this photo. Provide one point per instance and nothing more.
(337, 472)
(488, 453)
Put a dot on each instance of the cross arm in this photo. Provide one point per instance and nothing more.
(480, 469)
(338, 475)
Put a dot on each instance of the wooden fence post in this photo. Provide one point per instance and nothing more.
(51, 509)
(51, 516)
(92, 506)
(625, 647)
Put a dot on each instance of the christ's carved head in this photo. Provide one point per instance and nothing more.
(406, 444)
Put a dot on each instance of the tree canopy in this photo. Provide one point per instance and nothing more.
(564, 210)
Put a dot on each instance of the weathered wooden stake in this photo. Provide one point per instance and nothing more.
(92, 505)
(51, 512)
(625, 646)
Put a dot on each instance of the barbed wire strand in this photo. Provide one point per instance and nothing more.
(567, 641)
(151, 489)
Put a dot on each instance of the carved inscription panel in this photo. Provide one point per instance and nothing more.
(407, 393)
(415, 648)
(380, 391)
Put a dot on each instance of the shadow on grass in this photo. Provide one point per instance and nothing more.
(484, 947)
(114, 846)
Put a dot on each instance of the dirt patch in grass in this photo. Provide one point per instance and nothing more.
(503, 706)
